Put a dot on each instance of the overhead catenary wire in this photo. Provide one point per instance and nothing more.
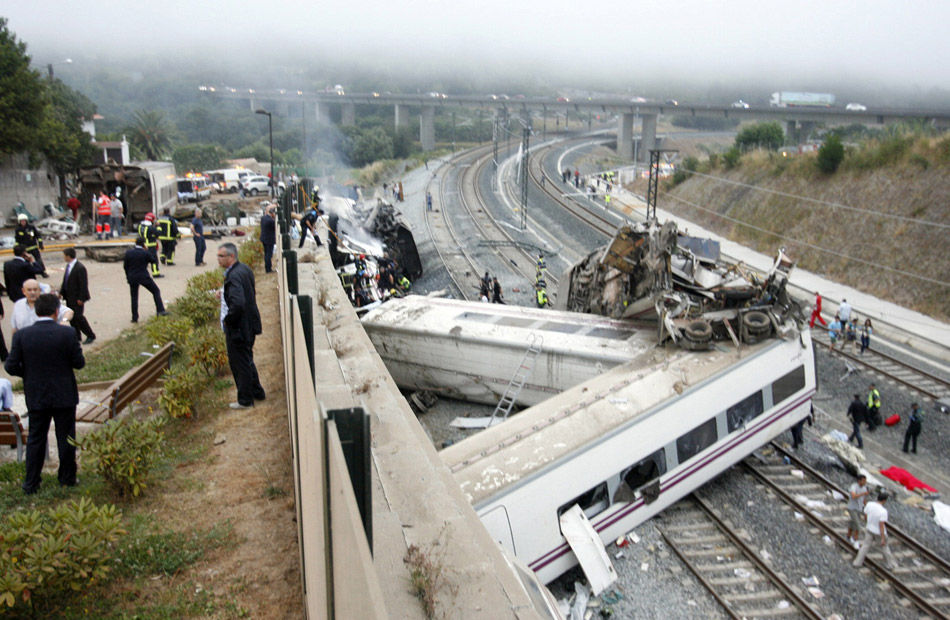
(806, 244)
(834, 205)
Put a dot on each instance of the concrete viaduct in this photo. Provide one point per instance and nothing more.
(794, 118)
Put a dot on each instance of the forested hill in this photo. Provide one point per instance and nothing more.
(879, 223)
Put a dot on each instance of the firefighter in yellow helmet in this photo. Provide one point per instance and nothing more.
(149, 232)
(168, 234)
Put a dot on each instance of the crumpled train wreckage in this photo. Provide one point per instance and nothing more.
(652, 272)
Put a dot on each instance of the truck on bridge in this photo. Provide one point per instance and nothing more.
(789, 99)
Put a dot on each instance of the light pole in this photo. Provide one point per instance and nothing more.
(49, 67)
(270, 131)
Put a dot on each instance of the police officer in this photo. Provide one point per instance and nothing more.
(309, 223)
(30, 238)
(874, 407)
(149, 234)
(169, 235)
(542, 295)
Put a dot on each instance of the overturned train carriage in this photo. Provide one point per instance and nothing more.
(143, 187)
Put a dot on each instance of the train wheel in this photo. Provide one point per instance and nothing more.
(698, 331)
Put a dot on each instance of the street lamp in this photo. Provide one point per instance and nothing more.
(49, 67)
(270, 130)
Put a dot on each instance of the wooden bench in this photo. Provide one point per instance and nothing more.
(12, 433)
(127, 388)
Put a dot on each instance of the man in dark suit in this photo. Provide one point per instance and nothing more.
(268, 236)
(75, 294)
(136, 264)
(17, 270)
(45, 355)
(241, 322)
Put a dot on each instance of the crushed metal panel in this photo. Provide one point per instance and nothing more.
(589, 549)
(702, 248)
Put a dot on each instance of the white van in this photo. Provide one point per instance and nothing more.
(227, 178)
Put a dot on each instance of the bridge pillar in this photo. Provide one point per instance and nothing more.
(647, 136)
(625, 136)
(402, 115)
(427, 128)
(349, 114)
(322, 113)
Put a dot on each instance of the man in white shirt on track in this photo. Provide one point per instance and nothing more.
(876, 530)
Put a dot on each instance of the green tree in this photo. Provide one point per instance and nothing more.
(21, 95)
(831, 154)
(151, 134)
(730, 158)
(197, 157)
(60, 136)
(760, 135)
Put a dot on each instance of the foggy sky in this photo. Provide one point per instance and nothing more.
(791, 44)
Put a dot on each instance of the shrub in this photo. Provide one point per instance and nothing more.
(52, 553)
(761, 135)
(730, 158)
(251, 253)
(206, 281)
(123, 453)
(830, 155)
(198, 307)
(206, 349)
(181, 390)
(162, 329)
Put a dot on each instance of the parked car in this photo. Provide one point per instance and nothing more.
(741, 104)
(256, 185)
(856, 107)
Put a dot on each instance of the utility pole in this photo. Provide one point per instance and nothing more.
(525, 133)
(653, 182)
(494, 146)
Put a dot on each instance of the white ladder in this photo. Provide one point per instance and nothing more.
(518, 379)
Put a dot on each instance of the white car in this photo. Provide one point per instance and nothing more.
(256, 185)
(856, 107)
(741, 104)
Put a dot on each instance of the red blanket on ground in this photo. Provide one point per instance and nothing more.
(905, 478)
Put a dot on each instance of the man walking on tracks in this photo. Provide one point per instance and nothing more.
(913, 429)
(857, 413)
(857, 497)
(45, 355)
(816, 312)
(241, 322)
(876, 530)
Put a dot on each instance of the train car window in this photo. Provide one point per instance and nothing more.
(513, 321)
(610, 333)
(788, 385)
(591, 501)
(744, 411)
(564, 328)
(640, 475)
(692, 443)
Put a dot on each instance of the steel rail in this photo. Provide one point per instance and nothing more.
(750, 554)
(921, 602)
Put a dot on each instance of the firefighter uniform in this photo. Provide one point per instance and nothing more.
(26, 235)
(168, 234)
(542, 297)
(149, 232)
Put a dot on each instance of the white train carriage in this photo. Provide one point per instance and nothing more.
(627, 444)
(471, 350)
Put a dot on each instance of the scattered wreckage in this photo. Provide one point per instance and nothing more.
(652, 272)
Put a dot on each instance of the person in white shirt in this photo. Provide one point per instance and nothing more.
(844, 311)
(859, 494)
(24, 313)
(876, 531)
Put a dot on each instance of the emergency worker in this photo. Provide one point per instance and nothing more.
(103, 216)
(169, 235)
(405, 284)
(542, 296)
(149, 234)
(31, 239)
(874, 407)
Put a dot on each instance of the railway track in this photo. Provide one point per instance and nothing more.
(925, 383)
(736, 576)
(922, 577)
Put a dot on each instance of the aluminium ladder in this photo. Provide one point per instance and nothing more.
(518, 379)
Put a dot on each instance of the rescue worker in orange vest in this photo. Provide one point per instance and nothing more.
(103, 216)
(168, 234)
(149, 232)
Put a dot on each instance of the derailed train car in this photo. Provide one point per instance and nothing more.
(143, 187)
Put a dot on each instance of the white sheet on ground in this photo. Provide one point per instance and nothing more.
(942, 514)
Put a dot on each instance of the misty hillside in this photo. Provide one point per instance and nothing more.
(906, 261)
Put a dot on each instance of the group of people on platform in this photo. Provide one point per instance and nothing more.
(844, 329)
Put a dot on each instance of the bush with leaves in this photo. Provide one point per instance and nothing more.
(123, 452)
(199, 307)
(181, 389)
(730, 159)
(53, 553)
(206, 349)
(251, 252)
(162, 329)
(830, 154)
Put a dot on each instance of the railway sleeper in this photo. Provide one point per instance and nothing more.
(737, 581)
(698, 540)
(791, 610)
(725, 566)
(729, 553)
(743, 597)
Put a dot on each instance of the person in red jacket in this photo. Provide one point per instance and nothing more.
(816, 313)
